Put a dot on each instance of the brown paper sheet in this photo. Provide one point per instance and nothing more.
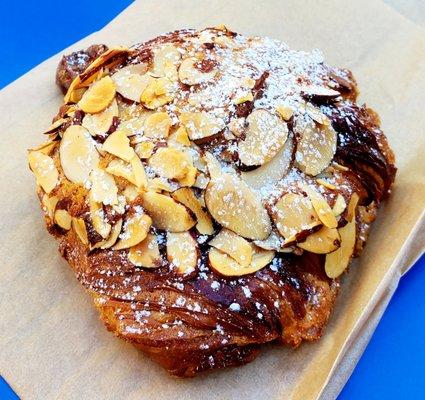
(52, 345)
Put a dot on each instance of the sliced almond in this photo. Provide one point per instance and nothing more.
(293, 213)
(351, 209)
(99, 124)
(118, 144)
(49, 204)
(200, 125)
(111, 240)
(337, 261)
(97, 215)
(321, 206)
(179, 137)
(46, 147)
(233, 245)
(160, 184)
(285, 112)
(103, 189)
(339, 205)
(326, 184)
(78, 154)
(136, 228)
(146, 254)
(63, 219)
(80, 229)
(182, 252)
(243, 98)
(273, 242)
(237, 126)
(233, 205)
(157, 125)
(190, 177)
(140, 179)
(227, 266)
(316, 147)
(131, 81)
(188, 198)
(201, 181)
(98, 96)
(170, 163)
(190, 75)
(269, 174)
(118, 167)
(265, 136)
(166, 213)
(158, 92)
(44, 169)
(144, 149)
(164, 61)
(213, 166)
(323, 241)
(130, 192)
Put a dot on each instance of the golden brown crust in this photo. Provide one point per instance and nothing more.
(210, 316)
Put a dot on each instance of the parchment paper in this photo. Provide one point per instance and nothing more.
(52, 345)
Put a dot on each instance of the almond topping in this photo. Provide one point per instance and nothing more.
(164, 61)
(190, 75)
(118, 144)
(99, 124)
(97, 215)
(44, 170)
(78, 154)
(351, 209)
(190, 178)
(182, 252)
(321, 206)
(79, 227)
(170, 163)
(233, 205)
(188, 198)
(233, 245)
(293, 213)
(339, 205)
(157, 93)
(144, 149)
(265, 136)
(63, 219)
(136, 228)
(131, 81)
(179, 137)
(285, 112)
(323, 241)
(157, 125)
(166, 213)
(103, 189)
(49, 204)
(200, 125)
(146, 254)
(98, 96)
(111, 240)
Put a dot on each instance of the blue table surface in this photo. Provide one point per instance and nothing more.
(393, 364)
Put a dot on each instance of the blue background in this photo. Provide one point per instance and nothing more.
(393, 365)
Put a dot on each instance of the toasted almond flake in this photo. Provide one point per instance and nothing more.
(46, 147)
(144, 149)
(190, 75)
(244, 98)
(103, 189)
(323, 241)
(182, 252)
(131, 81)
(140, 179)
(159, 185)
(265, 136)
(337, 261)
(339, 205)
(326, 184)
(351, 209)
(136, 228)
(100, 225)
(118, 167)
(158, 92)
(98, 96)
(273, 242)
(146, 254)
(78, 154)
(130, 192)
(157, 125)
(79, 227)
(213, 165)
(63, 219)
(201, 181)
(293, 213)
(233, 205)
(112, 238)
(190, 177)
(44, 169)
(315, 148)
(340, 167)
(188, 198)
(321, 206)
(179, 137)
(315, 114)
(166, 213)
(285, 112)
(233, 245)
(50, 204)
(200, 125)
(319, 91)
(237, 126)
(99, 124)
(118, 144)
(55, 125)
(170, 163)
(164, 61)
(76, 95)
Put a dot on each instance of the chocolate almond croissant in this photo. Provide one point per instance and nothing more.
(209, 189)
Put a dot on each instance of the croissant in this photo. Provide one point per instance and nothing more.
(209, 190)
